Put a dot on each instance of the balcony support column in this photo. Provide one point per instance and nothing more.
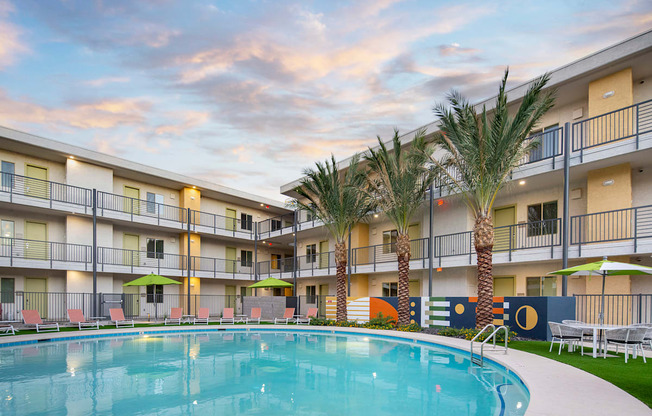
(188, 260)
(296, 260)
(430, 238)
(256, 256)
(565, 233)
(94, 254)
(348, 277)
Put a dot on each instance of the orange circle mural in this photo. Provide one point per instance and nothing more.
(528, 319)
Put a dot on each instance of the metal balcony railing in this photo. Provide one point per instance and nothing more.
(386, 253)
(281, 267)
(139, 208)
(282, 223)
(131, 259)
(618, 309)
(550, 144)
(613, 126)
(220, 222)
(307, 265)
(616, 225)
(13, 185)
(221, 266)
(46, 251)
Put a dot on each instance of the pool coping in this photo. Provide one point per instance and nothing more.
(555, 388)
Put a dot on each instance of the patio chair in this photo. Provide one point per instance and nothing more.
(588, 333)
(118, 316)
(227, 317)
(7, 330)
(312, 313)
(32, 317)
(202, 316)
(76, 317)
(175, 317)
(288, 317)
(648, 333)
(629, 337)
(565, 334)
(255, 316)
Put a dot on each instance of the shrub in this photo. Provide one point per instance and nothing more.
(469, 333)
(413, 327)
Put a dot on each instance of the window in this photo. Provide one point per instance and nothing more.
(7, 230)
(154, 248)
(155, 294)
(7, 286)
(542, 286)
(276, 224)
(390, 289)
(246, 222)
(276, 261)
(311, 294)
(154, 202)
(246, 258)
(547, 140)
(389, 241)
(245, 291)
(311, 253)
(8, 170)
(539, 218)
(309, 216)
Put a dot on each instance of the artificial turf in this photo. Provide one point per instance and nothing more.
(635, 377)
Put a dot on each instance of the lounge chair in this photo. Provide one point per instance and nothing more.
(202, 316)
(118, 316)
(175, 317)
(648, 333)
(565, 334)
(32, 317)
(628, 337)
(255, 316)
(7, 330)
(76, 317)
(227, 317)
(288, 316)
(312, 313)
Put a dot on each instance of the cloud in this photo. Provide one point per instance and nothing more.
(189, 120)
(454, 49)
(100, 82)
(11, 43)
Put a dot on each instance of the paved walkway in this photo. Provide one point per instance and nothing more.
(555, 388)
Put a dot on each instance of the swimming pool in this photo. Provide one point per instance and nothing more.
(253, 373)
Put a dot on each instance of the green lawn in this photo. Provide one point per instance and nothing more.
(635, 377)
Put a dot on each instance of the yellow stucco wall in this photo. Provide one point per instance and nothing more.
(620, 83)
(360, 235)
(190, 198)
(195, 289)
(615, 196)
(359, 285)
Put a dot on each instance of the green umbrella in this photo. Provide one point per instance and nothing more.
(150, 280)
(604, 268)
(270, 282)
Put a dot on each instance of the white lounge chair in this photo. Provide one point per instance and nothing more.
(202, 316)
(288, 316)
(628, 337)
(32, 317)
(175, 317)
(227, 317)
(255, 316)
(118, 316)
(76, 317)
(7, 330)
(312, 313)
(565, 334)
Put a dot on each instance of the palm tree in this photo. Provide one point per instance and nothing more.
(480, 152)
(338, 199)
(398, 183)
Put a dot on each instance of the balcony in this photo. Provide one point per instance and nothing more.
(318, 264)
(208, 223)
(36, 254)
(17, 189)
(221, 268)
(276, 226)
(124, 208)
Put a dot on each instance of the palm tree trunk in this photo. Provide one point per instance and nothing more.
(484, 242)
(403, 253)
(340, 264)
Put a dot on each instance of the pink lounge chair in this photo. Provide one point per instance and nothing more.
(202, 316)
(32, 317)
(288, 316)
(118, 316)
(175, 317)
(312, 313)
(227, 316)
(255, 316)
(76, 317)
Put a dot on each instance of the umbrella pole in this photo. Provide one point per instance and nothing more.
(602, 306)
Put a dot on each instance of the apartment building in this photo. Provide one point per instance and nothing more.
(600, 129)
(146, 220)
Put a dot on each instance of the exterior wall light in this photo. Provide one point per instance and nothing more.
(521, 182)
(608, 94)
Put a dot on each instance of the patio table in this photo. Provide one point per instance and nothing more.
(185, 319)
(241, 318)
(595, 328)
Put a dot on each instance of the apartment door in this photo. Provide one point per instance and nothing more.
(37, 235)
(231, 258)
(502, 236)
(504, 286)
(36, 295)
(323, 254)
(37, 187)
(415, 288)
(230, 219)
(131, 244)
(321, 302)
(132, 301)
(229, 291)
(132, 200)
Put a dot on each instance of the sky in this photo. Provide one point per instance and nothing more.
(248, 94)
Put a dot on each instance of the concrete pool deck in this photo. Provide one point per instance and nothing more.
(555, 388)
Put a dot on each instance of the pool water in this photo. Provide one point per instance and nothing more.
(251, 373)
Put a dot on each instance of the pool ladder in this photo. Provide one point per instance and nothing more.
(480, 360)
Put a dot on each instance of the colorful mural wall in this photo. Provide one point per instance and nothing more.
(364, 308)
